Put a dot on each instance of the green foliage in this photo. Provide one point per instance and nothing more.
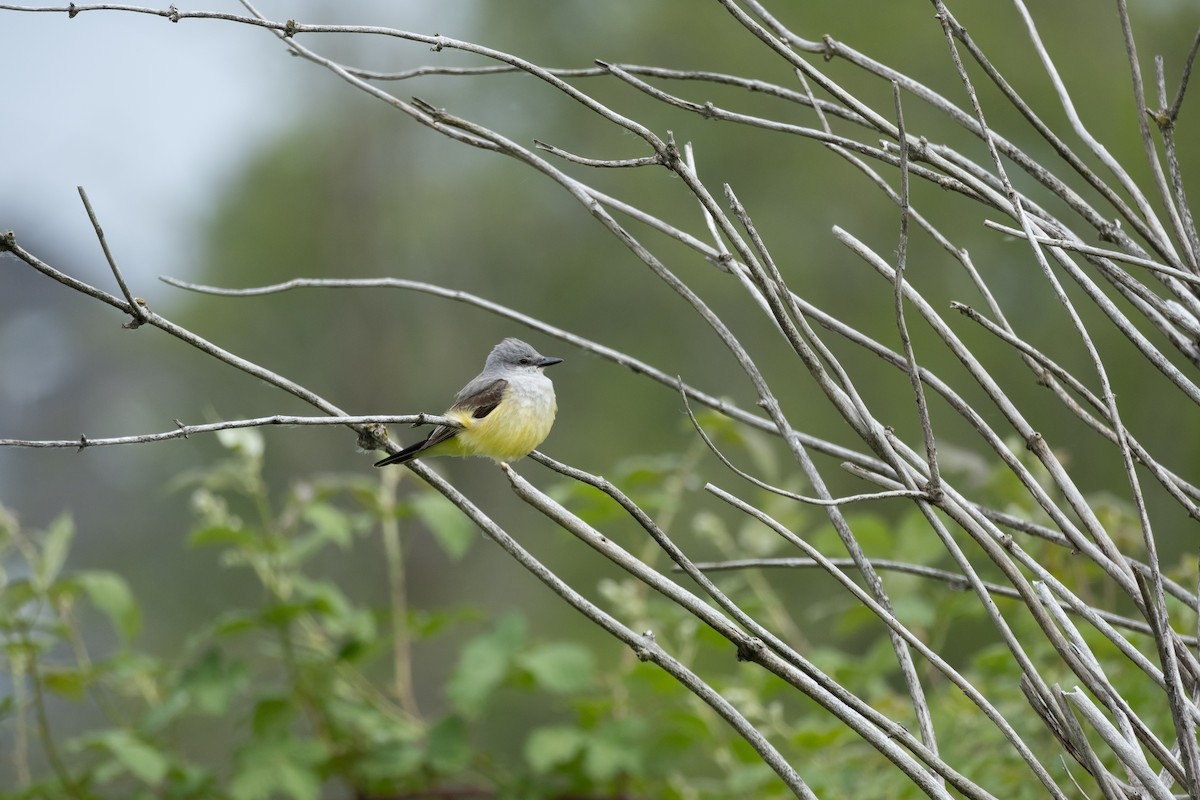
(288, 692)
(305, 689)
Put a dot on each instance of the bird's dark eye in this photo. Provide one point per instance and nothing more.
(524, 361)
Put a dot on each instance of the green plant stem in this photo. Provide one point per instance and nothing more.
(79, 650)
(402, 683)
(20, 704)
(43, 722)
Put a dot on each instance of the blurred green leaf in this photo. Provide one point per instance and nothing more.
(386, 764)
(711, 528)
(285, 767)
(586, 501)
(751, 779)
(327, 525)
(614, 749)
(449, 747)
(224, 535)
(272, 715)
(425, 624)
(134, 755)
(110, 593)
(243, 441)
(815, 732)
(452, 529)
(165, 712)
(228, 623)
(16, 594)
(755, 540)
(53, 552)
(280, 613)
(916, 541)
(876, 535)
(644, 478)
(339, 615)
(483, 665)
(560, 667)
(913, 609)
(212, 682)
(757, 446)
(66, 682)
(553, 746)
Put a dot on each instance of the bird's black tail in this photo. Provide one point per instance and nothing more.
(407, 454)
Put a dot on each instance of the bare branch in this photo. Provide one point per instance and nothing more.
(186, 431)
(954, 581)
(934, 487)
(617, 357)
(136, 304)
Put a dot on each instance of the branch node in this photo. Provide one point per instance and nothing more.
(644, 653)
(671, 158)
(138, 312)
(750, 649)
(373, 437)
(1162, 118)
(179, 424)
(72, 11)
(830, 47)
(83, 442)
(436, 114)
(965, 310)
(918, 149)
(8, 240)
(289, 29)
(172, 13)
(1110, 232)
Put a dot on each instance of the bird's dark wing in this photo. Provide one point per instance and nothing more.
(480, 401)
(477, 403)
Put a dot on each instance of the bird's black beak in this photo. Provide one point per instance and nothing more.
(549, 361)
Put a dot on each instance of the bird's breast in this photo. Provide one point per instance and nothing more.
(519, 424)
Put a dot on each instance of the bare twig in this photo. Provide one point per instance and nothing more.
(135, 304)
(617, 357)
(934, 487)
(185, 431)
(954, 580)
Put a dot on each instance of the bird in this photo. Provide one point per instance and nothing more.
(505, 411)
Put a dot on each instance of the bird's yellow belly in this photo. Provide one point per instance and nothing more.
(518, 425)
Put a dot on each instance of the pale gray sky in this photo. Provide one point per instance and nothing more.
(151, 117)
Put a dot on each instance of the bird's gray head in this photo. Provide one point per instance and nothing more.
(515, 354)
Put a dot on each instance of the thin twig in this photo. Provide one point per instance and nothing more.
(1189, 62)
(186, 431)
(813, 501)
(1088, 249)
(136, 304)
(955, 581)
(934, 487)
(643, 161)
(634, 365)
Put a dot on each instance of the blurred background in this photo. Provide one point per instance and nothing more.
(212, 155)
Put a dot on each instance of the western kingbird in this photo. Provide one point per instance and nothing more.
(506, 410)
